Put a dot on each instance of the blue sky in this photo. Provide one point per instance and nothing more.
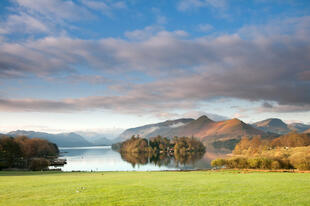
(69, 65)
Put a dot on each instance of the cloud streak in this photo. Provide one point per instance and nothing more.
(192, 4)
(186, 71)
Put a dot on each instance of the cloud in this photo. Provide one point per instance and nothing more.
(267, 105)
(91, 79)
(56, 10)
(23, 23)
(192, 4)
(42, 17)
(104, 7)
(160, 18)
(304, 76)
(197, 114)
(284, 108)
(205, 27)
(52, 16)
(185, 72)
(143, 34)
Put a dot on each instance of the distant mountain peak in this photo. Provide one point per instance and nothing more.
(273, 125)
(235, 120)
(299, 127)
(272, 122)
(203, 128)
(204, 118)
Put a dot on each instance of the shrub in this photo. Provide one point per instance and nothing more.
(239, 162)
(265, 163)
(218, 162)
(254, 163)
(275, 164)
(37, 164)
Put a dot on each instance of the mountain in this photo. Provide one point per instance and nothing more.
(203, 128)
(99, 140)
(299, 127)
(307, 131)
(272, 125)
(62, 139)
(152, 130)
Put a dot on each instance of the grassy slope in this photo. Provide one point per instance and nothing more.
(154, 188)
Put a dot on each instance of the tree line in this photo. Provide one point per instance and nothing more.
(290, 151)
(160, 144)
(160, 150)
(26, 153)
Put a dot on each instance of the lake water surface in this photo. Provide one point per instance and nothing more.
(103, 158)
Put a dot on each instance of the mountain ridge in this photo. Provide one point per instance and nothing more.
(70, 139)
(275, 125)
(203, 128)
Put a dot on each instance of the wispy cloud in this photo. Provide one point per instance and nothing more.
(106, 7)
(53, 16)
(23, 22)
(192, 4)
(186, 71)
(205, 27)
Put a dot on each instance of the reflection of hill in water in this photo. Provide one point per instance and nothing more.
(105, 159)
(181, 161)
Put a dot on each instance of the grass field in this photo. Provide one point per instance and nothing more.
(154, 188)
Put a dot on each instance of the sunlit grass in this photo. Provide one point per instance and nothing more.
(154, 188)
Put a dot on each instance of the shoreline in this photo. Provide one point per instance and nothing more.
(198, 170)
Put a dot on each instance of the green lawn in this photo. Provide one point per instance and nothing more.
(154, 188)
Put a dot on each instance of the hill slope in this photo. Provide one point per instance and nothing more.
(273, 125)
(203, 128)
(152, 130)
(307, 131)
(299, 127)
(62, 139)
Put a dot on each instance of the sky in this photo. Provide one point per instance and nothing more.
(90, 65)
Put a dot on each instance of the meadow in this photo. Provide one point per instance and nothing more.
(154, 188)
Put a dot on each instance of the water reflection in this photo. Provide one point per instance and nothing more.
(105, 159)
(179, 160)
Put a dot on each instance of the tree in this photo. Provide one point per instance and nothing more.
(10, 150)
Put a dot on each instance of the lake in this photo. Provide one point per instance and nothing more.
(103, 158)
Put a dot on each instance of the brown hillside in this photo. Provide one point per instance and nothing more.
(208, 130)
(307, 131)
(229, 129)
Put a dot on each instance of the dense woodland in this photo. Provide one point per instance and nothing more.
(291, 151)
(26, 153)
(160, 144)
(160, 150)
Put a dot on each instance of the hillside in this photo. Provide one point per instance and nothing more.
(62, 139)
(205, 129)
(307, 131)
(273, 125)
(299, 127)
(151, 130)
